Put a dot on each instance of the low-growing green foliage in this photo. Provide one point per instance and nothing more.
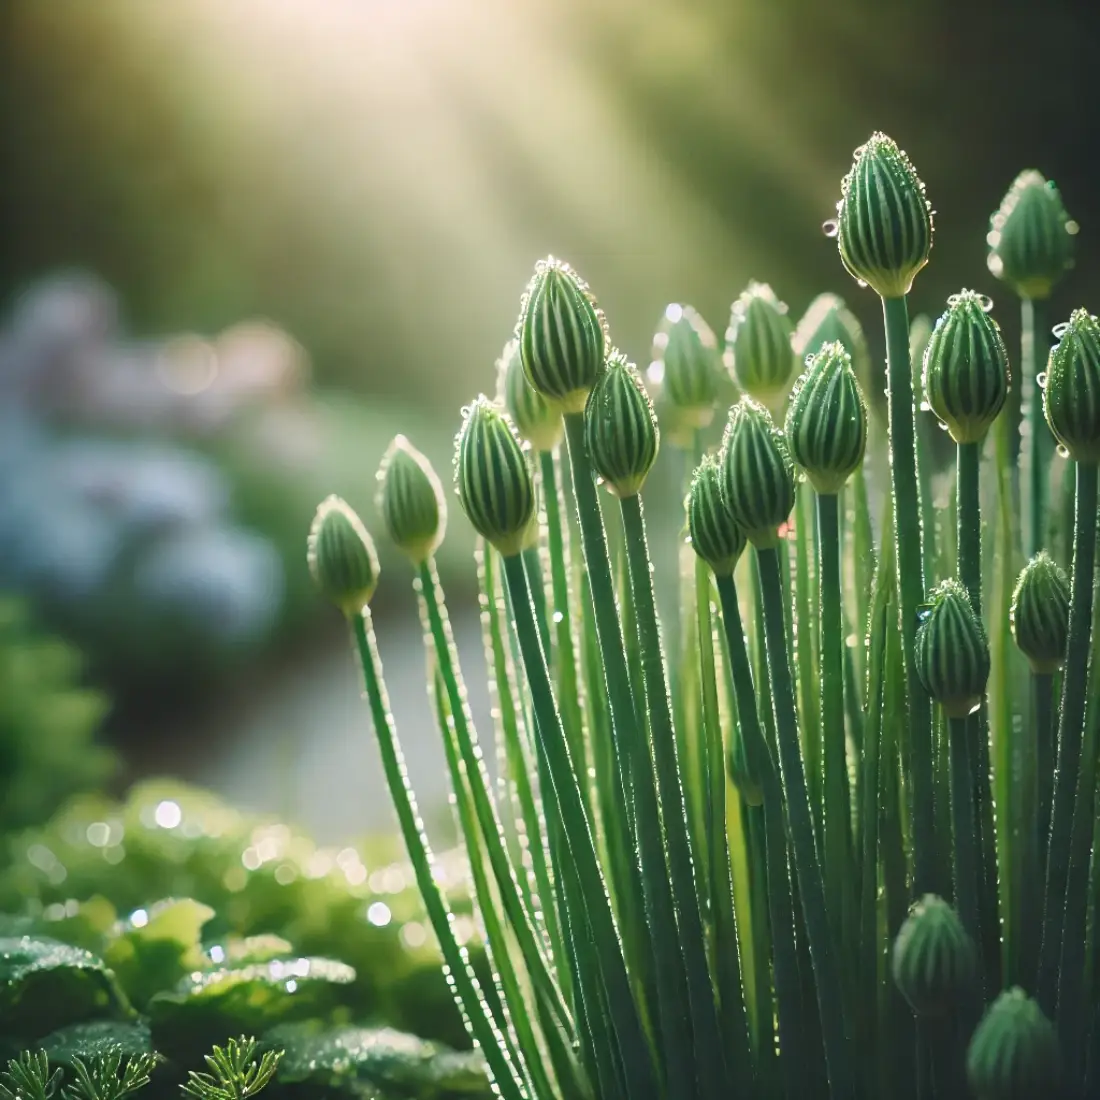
(909, 826)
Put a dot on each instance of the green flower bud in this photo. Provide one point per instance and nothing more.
(410, 499)
(342, 557)
(758, 351)
(1031, 237)
(757, 475)
(1014, 1053)
(884, 222)
(951, 653)
(686, 362)
(826, 420)
(742, 776)
(493, 479)
(1040, 613)
(620, 427)
(966, 367)
(1071, 392)
(537, 420)
(714, 535)
(561, 335)
(933, 960)
(828, 320)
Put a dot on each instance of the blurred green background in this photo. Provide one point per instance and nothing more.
(373, 180)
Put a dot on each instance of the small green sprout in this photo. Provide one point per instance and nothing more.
(107, 1077)
(28, 1077)
(235, 1072)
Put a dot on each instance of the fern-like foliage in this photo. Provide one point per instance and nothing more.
(107, 1077)
(28, 1077)
(235, 1072)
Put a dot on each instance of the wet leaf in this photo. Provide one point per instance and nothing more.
(89, 1041)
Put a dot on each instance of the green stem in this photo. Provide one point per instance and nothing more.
(565, 665)
(838, 812)
(466, 989)
(1036, 443)
(794, 1058)
(637, 1064)
(909, 549)
(963, 826)
(970, 523)
(1043, 692)
(710, 1061)
(1070, 727)
(492, 831)
(1033, 766)
(800, 823)
(654, 897)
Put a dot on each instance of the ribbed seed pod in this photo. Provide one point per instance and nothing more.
(1071, 395)
(951, 653)
(410, 498)
(1014, 1053)
(826, 425)
(1040, 613)
(1031, 237)
(966, 367)
(687, 361)
(342, 557)
(537, 420)
(561, 335)
(741, 775)
(620, 427)
(933, 960)
(493, 479)
(714, 535)
(884, 222)
(759, 352)
(828, 320)
(757, 475)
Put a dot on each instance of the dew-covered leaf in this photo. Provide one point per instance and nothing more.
(209, 1006)
(249, 950)
(366, 1062)
(97, 1038)
(156, 947)
(45, 985)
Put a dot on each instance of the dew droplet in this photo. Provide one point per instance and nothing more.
(1041, 379)
(954, 299)
(985, 302)
(861, 283)
(1072, 228)
(1060, 330)
(831, 227)
(1063, 450)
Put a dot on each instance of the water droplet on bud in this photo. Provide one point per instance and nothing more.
(831, 227)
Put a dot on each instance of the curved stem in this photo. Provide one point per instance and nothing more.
(466, 989)
(565, 665)
(794, 1059)
(963, 826)
(652, 896)
(838, 812)
(1071, 721)
(1037, 438)
(800, 823)
(476, 775)
(709, 1048)
(908, 545)
(637, 1064)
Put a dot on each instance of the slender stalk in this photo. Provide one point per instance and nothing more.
(969, 541)
(565, 664)
(637, 1065)
(710, 1062)
(800, 823)
(467, 991)
(909, 542)
(794, 1060)
(1043, 693)
(963, 832)
(805, 659)
(838, 811)
(476, 775)
(1068, 770)
(726, 962)
(1035, 446)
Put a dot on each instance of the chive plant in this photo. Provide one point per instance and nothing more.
(797, 844)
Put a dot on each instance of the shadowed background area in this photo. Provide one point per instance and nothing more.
(374, 179)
